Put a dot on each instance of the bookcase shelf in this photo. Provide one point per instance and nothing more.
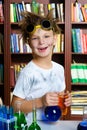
(65, 58)
(78, 57)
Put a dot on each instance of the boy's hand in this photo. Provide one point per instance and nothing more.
(50, 99)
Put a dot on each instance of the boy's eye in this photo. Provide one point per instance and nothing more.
(34, 38)
(47, 36)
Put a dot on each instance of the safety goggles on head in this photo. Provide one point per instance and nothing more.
(45, 24)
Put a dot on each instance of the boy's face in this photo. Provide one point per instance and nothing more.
(42, 42)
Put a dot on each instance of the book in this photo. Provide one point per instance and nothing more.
(14, 13)
(78, 72)
(84, 13)
(49, 7)
(35, 6)
(23, 4)
(78, 37)
(85, 71)
(62, 12)
(74, 74)
(53, 6)
(41, 9)
(28, 7)
(80, 12)
(1, 12)
(75, 109)
(12, 76)
(20, 9)
(72, 12)
(77, 11)
(58, 12)
(74, 41)
(15, 43)
(11, 13)
(1, 43)
(62, 43)
(17, 12)
(1, 73)
(20, 41)
(57, 44)
(79, 93)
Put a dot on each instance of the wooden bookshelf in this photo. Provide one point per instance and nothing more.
(65, 58)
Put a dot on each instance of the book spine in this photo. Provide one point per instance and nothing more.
(74, 41)
(1, 12)
(80, 71)
(74, 74)
(78, 36)
(12, 75)
(1, 74)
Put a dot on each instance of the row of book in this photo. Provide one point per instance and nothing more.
(59, 46)
(17, 44)
(43, 9)
(1, 43)
(1, 12)
(1, 73)
(79, 40)
(79, 100)
(79, 12)
(14, 73)
(79, 72)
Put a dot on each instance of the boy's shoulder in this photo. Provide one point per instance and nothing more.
(55, 64)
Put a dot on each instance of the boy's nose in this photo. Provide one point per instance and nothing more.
(41, 41)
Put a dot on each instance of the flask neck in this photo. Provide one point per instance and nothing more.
(34, 115)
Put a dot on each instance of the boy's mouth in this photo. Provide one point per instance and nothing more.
(43, 48)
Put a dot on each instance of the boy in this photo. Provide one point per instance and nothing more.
(42, 79)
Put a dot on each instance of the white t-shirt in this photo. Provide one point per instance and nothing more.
(34, 82)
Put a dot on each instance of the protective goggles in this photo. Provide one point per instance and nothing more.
(45, 24)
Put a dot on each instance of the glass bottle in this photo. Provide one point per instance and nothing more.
(21, 123)
(52, 113)
(34, 125)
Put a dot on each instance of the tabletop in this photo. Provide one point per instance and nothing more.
(60, 125)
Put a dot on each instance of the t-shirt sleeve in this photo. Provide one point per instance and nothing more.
(19, 89)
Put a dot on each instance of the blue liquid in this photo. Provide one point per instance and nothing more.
(52, 113)
(82, 125)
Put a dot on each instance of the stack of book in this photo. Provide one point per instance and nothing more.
(79, 72)
(79, 100)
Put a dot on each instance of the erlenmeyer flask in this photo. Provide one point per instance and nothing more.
(21, 121)
(34, 125)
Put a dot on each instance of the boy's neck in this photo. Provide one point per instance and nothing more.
(46, 64)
